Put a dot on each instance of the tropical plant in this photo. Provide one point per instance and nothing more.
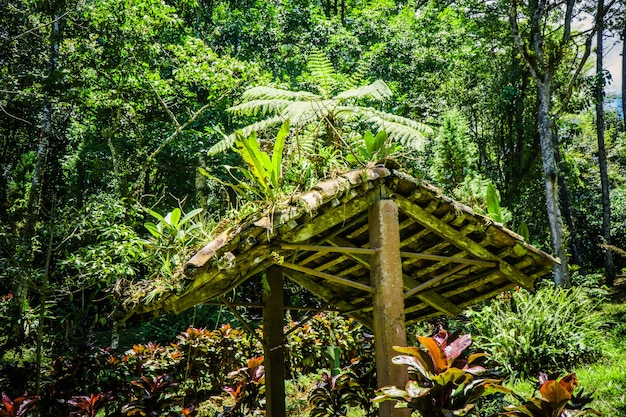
(372, 148)
(441, 383)
(556, 399)
(323, 109)
(88, 405)
(552, 329)
(248, 387)
(335, 395)
(172, 226)
(264, 173)
(17, 407)
(155, 397)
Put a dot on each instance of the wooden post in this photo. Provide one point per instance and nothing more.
(273, 336)
(386, 279)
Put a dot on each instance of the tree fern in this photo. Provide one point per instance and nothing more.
(302, 108)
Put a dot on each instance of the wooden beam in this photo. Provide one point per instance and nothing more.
(274, 345)
(329, 218)
(328, 277)
(328, 296)
(440, 303)
(386, 278)
(321, 248)
(243, 321)
(459, 240)
(252, 305)
(425, 285)
(432, 298)
(455, 260)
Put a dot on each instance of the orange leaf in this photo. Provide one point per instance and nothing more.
(556, 392)
(435, 352)
(569, 382)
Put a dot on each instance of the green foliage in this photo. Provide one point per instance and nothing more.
(264, 172)
(454, 155)
(552, 330)
(493, 204)
(441, 383)
(263, 179)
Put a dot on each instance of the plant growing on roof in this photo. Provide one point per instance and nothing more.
(325, 109)
(373, 148)
(441, 383)
(264, 173)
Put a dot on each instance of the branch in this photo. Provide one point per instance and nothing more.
(582, 62)
(179, 129)
(53, 21)
(15, 117)
(518, 41)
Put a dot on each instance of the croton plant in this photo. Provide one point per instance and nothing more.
(556, 399)
(441, 382)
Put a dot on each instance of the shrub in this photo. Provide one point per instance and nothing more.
(550, 330)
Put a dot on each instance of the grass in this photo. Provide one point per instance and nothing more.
(606, 378)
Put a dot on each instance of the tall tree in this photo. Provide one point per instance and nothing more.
(609, 267)
(544, 50)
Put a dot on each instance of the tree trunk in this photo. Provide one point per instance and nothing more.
(566, 208)
(561, 277)
(609, 267)
(202, 194)
(27, 253)
(624, 73)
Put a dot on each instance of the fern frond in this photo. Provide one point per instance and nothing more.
(271, 93)
(302, 113)
(357, 77)
(259, 107)
(399, 129)
(306, 139)
(377, 90)
(229, 140)
(322, 71)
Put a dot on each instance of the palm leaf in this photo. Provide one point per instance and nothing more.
(303, 113)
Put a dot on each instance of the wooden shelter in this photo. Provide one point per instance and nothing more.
(377, 244)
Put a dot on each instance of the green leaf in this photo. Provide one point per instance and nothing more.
(152, 228)
(523, 231)
(189, 216)
(156, 215)
(277, 155)
(173, 217)
(493, 204)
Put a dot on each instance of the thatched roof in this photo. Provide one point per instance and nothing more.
(452, 257)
